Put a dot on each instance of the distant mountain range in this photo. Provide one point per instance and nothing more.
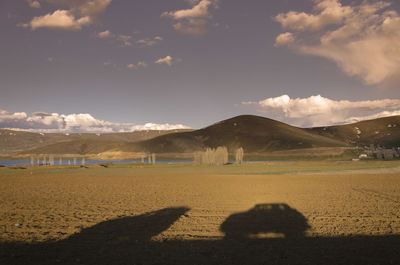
(253, 133)
(13, 142)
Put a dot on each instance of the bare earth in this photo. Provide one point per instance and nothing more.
(295, 213)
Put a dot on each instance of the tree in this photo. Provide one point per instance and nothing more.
(211, 156)
(239, 155)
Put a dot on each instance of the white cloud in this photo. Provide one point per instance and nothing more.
(149, 42)
(33, 4)
(327, 12)
(320, 111)
(23, 25)
(166, 60)
(200, 9)
(59, 19)
(284, 39)
(140, 64)
(80, 13)
(125, 40)
(196, 27)
(104, 34)
(373, 116)
(154, 126)
(360, 39)
(54, 122)
(194, 20)
(90, 8)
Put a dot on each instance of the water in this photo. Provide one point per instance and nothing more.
(11, 163)
(78, 162)
(95, 162)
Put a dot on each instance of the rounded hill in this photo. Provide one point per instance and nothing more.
(253, 133)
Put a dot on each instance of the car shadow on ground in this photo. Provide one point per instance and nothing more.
(266, 234)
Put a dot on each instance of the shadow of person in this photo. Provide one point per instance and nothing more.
(266, 220)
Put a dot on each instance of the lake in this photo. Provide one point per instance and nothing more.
(78, 162)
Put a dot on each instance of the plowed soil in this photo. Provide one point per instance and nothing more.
(312, 200)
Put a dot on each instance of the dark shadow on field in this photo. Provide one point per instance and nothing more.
(263, 219)
(128, 241)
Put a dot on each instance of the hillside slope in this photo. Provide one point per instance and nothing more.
(382, 131)
(253, 133)
(81, 147)
(12, 142)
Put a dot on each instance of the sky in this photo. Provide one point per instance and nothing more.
(115, 65)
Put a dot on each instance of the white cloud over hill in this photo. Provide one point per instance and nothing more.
(320, 111)
(54, 122)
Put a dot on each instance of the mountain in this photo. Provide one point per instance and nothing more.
(77, 147)
(12, 142)
(382, 131)
(253, 133)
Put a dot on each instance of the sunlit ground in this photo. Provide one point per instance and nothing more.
(335, 198)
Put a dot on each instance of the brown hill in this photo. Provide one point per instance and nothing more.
(383, 131)
(12, 142)
(253, 133)
(81, 147)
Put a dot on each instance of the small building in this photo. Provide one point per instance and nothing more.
(386, 154)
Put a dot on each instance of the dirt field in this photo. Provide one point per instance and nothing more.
(275, 213)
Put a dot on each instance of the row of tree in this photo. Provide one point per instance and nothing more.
(218, 156)
(50, 160)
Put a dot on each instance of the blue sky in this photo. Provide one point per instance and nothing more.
(194, 62)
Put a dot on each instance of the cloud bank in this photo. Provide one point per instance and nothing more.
(320, 111)
(82, 123)
(80, 13)
(359, 38)
(193, 21)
